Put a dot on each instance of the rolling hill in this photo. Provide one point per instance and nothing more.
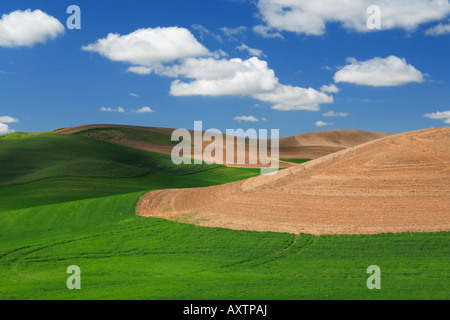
(303, 146)
(71, 200)
(48, 168)
(395, 184)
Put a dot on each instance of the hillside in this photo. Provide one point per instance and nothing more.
(318, 144)
(395, 184)
(47, 168)
(303, 146)
(69, 199)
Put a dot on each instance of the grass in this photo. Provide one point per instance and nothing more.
(19, 135)
(53, 215)
(298, 161)
(126, 257)
(50, 155)
(118, 133)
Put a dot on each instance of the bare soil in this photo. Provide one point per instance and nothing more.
(398, 183)
(304, 146)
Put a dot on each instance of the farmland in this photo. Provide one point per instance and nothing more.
(70, 200)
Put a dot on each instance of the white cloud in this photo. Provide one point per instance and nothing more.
(439, 30)
(335, 114)
(329, 89)
(26, 28)
(378, 72)
(323, 124)
(311, 17)
(149, 47)
(134, 95)
(203, 31)
(219, 54)
(233, 31)
(250, 77)
(267, 32)
(140, 70)
(8, 119)
(153, 49)
(222, 77)
(445, 115)
(246, 119)
(143, 110)
(253, 52)
(4, 129)
(288, 98)
(119, 109)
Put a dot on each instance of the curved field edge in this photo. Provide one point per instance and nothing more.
(123, 256)
(44, 169)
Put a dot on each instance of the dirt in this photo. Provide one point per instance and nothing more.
(398, 183)
(304, 146)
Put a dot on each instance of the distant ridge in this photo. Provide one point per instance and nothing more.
(304, 146)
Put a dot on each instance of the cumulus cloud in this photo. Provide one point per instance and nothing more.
(439, 30)
(149, 47)
(288, 98)
(119, 109)
(175, 53)
(246, 119)
(27, 28)
(143, 110)
(140, 70)
(8, 119)
(329, 89)
(445, 115)
(4, 129)
(311, 17)
(222, 77)
(251, 77)
(134, 95)
(323, 124)
(251, 51)
(378, 72)
(335, 114)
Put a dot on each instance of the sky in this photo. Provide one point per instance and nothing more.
(295, 65)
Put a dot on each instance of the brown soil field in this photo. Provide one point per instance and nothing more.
(303, 146)
(399, 183)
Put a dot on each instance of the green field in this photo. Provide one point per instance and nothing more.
(108, 134)
(297, 161)
(69, 200)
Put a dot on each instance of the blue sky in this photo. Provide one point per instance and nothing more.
(231, 64)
